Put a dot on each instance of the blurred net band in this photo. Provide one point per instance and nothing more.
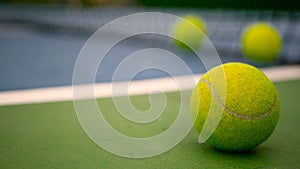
(224, 27)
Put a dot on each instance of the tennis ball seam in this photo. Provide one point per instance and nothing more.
(215, 96)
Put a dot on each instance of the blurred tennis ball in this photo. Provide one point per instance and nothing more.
(249, 113)
(189, 32)
(261, 42)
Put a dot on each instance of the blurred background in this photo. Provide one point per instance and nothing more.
(40, 40)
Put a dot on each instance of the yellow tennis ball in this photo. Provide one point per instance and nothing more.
(189, 32)
(249, 114)
(261, 42)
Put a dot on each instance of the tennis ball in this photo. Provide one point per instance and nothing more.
(261, 42)
(249, 113)
(188, 33)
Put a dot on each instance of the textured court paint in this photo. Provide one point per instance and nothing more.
(49, 136)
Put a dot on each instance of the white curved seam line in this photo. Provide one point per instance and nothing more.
(237, 114)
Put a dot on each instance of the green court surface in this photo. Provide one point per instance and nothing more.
(49, 135)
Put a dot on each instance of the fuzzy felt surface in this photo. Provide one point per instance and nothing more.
(261, 42)
(189, 32)
(250, 103)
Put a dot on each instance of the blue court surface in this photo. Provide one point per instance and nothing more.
(39, 44)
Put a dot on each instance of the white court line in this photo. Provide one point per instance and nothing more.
(139, 87)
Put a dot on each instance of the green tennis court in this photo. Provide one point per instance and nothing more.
(48, 135)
